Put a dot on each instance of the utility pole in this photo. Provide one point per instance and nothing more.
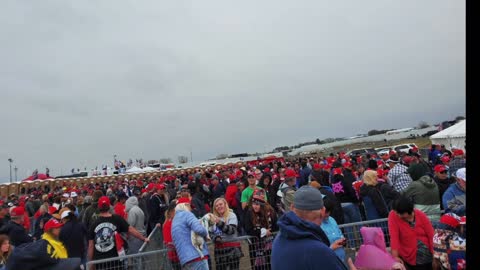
(10, 161)
(15, 169)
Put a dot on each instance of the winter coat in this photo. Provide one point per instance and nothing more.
(454, 200)
(298, 242)
(136, 217)
(183, 223)
(343, 189)
(74, 236)
(425, 196)
(16, 233)
(443, 185)
(376, 196)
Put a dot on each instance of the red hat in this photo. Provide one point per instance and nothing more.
(232, 177)
(144, 190)
(380, 173)
(289, 173)
(52, 209)
(407, 159)
(449, 220)
(337, 171)
(347, 164)
(463, 220)
(317, 166)
(183, 200)
(445, 159)
(103, 202)
(328, 166)
(259, 196)
(392, 152)
(160, 186)
(52, 224)
(439, 168)
(379, 162)
(458, 152)
(17, 211)
(151, 187)
(414, 149)
(266, 170)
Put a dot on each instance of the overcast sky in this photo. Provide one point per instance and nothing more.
(83, 80)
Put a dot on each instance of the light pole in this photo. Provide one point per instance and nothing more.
(10, 160)
(15, 169)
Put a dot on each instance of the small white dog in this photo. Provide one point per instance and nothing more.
(197, 240)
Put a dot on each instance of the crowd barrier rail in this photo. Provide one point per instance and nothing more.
(248, 253)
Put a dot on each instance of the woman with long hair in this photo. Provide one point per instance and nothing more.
(5, 250)
(261, 223)
(227, 253)
(167, 236)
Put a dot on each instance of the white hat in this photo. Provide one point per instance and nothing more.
(462, 174)
(66, 195)
(73, 194)
(65, 214)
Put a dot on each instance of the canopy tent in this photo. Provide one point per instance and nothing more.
(134, 169)
(452, 136)
(40, 176)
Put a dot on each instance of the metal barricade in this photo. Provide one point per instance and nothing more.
(240, 253)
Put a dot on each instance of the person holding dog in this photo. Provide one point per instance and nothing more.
(184, 222)
(227, 254)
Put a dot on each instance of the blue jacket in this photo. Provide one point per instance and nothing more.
(305, 173)
(183, 223)
(454, 200)
(333, 232)
(302, 245)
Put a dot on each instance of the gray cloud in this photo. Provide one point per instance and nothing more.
(81, 81)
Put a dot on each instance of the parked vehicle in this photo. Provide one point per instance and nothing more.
(362, 152)
(404, 147)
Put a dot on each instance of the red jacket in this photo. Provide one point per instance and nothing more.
(230, 195)
(404, 239)
(167, 239)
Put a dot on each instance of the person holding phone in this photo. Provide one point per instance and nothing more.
(333, 232)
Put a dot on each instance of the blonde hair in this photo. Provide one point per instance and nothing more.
(370, 178)
(227, 209)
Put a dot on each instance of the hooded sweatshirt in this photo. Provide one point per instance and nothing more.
(298, 242)
(425, 196)
(136, 217)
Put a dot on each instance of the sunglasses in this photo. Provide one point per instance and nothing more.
(443, 172)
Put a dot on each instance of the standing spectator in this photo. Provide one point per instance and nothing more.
(157, 205)
(411, 235)
(248, 191)
(227, 253)
(332, 231)
(217, 188)
(102, 236)
(371, 189)
(458, 161)
(442, 180)
(260, 222)
(4, 215)
(398, 177)
(119, 207)
(434, 154)
(5, 251)
(301, 238)
(183, 224)
(231, 192)
(347, 196)
(305, 173)
(197, 203)
(136, 219)
(73, 235)
(455, 197)
(14, 228)
(167, 237)
(287, 191)
(266, 184)
(91, 212)
(423, 192)
(239, 211)
(327, 192)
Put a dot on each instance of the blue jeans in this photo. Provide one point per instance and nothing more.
(351, 213)
(201, 265)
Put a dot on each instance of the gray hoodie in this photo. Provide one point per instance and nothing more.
(425, 196)
(136, 217)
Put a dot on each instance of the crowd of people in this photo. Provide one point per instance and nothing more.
(303, 199)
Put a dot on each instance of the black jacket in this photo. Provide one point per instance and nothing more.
(343, 189)
(443, 186)
(16, 233)
(337, 212)
(373, 192)
(74, 237)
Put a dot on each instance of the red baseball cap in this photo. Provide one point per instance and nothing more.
(52, 224)
(183, 200)
(103, 202)
(289, 173)
(407, 159)
(439, 168)
(392, 152)
(160, 186)
(328, 166)
(347, 164)
(337, 171)
(380, 173)
(52, 209)
(151, 187)
(458, 152)
(266, 170)
(17, 211)
(317, 166)
(379, 162)
(445, 159)
(449, 220)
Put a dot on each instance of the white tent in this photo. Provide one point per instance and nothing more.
(134, 170)
(452, 136)
(149, 169)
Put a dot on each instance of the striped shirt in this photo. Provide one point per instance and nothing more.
(398, 177)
